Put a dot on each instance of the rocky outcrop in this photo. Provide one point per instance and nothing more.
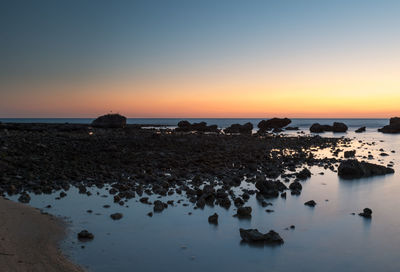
(269, 188)
(237, 128)
(254, 236)
(274, 123)
(393, 127)
(336, 127)
(244, 212)
(367, 213)
(186, 126)
(310, 203)
(353, 169)
(110, 121)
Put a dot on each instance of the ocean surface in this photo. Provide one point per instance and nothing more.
(221, 122)
(326, 238)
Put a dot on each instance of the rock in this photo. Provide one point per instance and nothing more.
(24, 198)
(353, 169)
(393, 127)
(213, 219)
(254, 236)
(269, 188)
(116, 216)
(242, 129)
(303, 174)
(158, 206)
(186, 126)
(274, 123)
(367, 212)
(244, 212)
(295, 186)
(291, 128)
(339, 127)
(361, 129)
(110, 121)
(349, 154)
(310, 203)
(84, 235)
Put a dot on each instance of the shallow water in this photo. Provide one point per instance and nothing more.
(326, 238)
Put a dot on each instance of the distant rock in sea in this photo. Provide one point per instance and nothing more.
(110, 121)
(336, 127)
(237, 128)
(274, 123)
(361, 129)
(353, 169)
(186, 126)
(393, 127)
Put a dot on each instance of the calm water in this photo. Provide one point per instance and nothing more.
(326, 238)
(221, 122)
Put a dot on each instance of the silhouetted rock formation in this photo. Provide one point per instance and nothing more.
(274, 123)
(242, 129)
(361, 129)
(337, 127)
(393, 127)
(353, 169)
(110, 121)
(186, 126)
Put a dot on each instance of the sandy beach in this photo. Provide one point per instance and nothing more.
(29, 240)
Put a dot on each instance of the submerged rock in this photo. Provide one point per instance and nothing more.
(110, 121)
(254, 236)
(353, 169)
(24, 198)
(244, 212)
(116, 216)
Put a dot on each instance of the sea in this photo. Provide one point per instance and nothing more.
(330, 237)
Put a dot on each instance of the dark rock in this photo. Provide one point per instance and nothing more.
(361, 129)
(24, 198)
(367, 212)
(303, 174)
(186, 126)
(254, 236)
(295, 186)
(317, 128)
(158, 206)
(244, 212)
(116, 216)
(110, 121)
(292, 128)
(339, 127)
(349, 154)
(84, 235)
(353, 169)
(213, 219)
(393, 127)
(273, 123)
(310, 203)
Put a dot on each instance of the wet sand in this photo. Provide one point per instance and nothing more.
(29, 240)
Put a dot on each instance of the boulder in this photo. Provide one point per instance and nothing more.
(213, 219)
(303, 174)
(254, 236)
(270, 188)
(336, 127)
(186, 126)
(158, 206)
(244, 212)
(110, 121)
(349, 154)
(353, 169)
(310, 203)
(339, 127)
(273, 123)
(116, 216)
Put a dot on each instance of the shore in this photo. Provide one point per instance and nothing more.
(29, 240)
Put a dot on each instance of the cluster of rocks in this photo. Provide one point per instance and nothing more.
(393, 127)
(186, 126)
(241, 129)
(336, 127)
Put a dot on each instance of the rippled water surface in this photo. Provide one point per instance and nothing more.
(326, 238)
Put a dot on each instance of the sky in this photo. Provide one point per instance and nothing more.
(187, 58)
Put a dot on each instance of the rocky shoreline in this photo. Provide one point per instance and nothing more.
(204, 168)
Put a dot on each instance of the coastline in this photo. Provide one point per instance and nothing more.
(29, 240)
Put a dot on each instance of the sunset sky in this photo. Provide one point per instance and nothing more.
(221, 58)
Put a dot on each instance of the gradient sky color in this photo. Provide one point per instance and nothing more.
(169, 58)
